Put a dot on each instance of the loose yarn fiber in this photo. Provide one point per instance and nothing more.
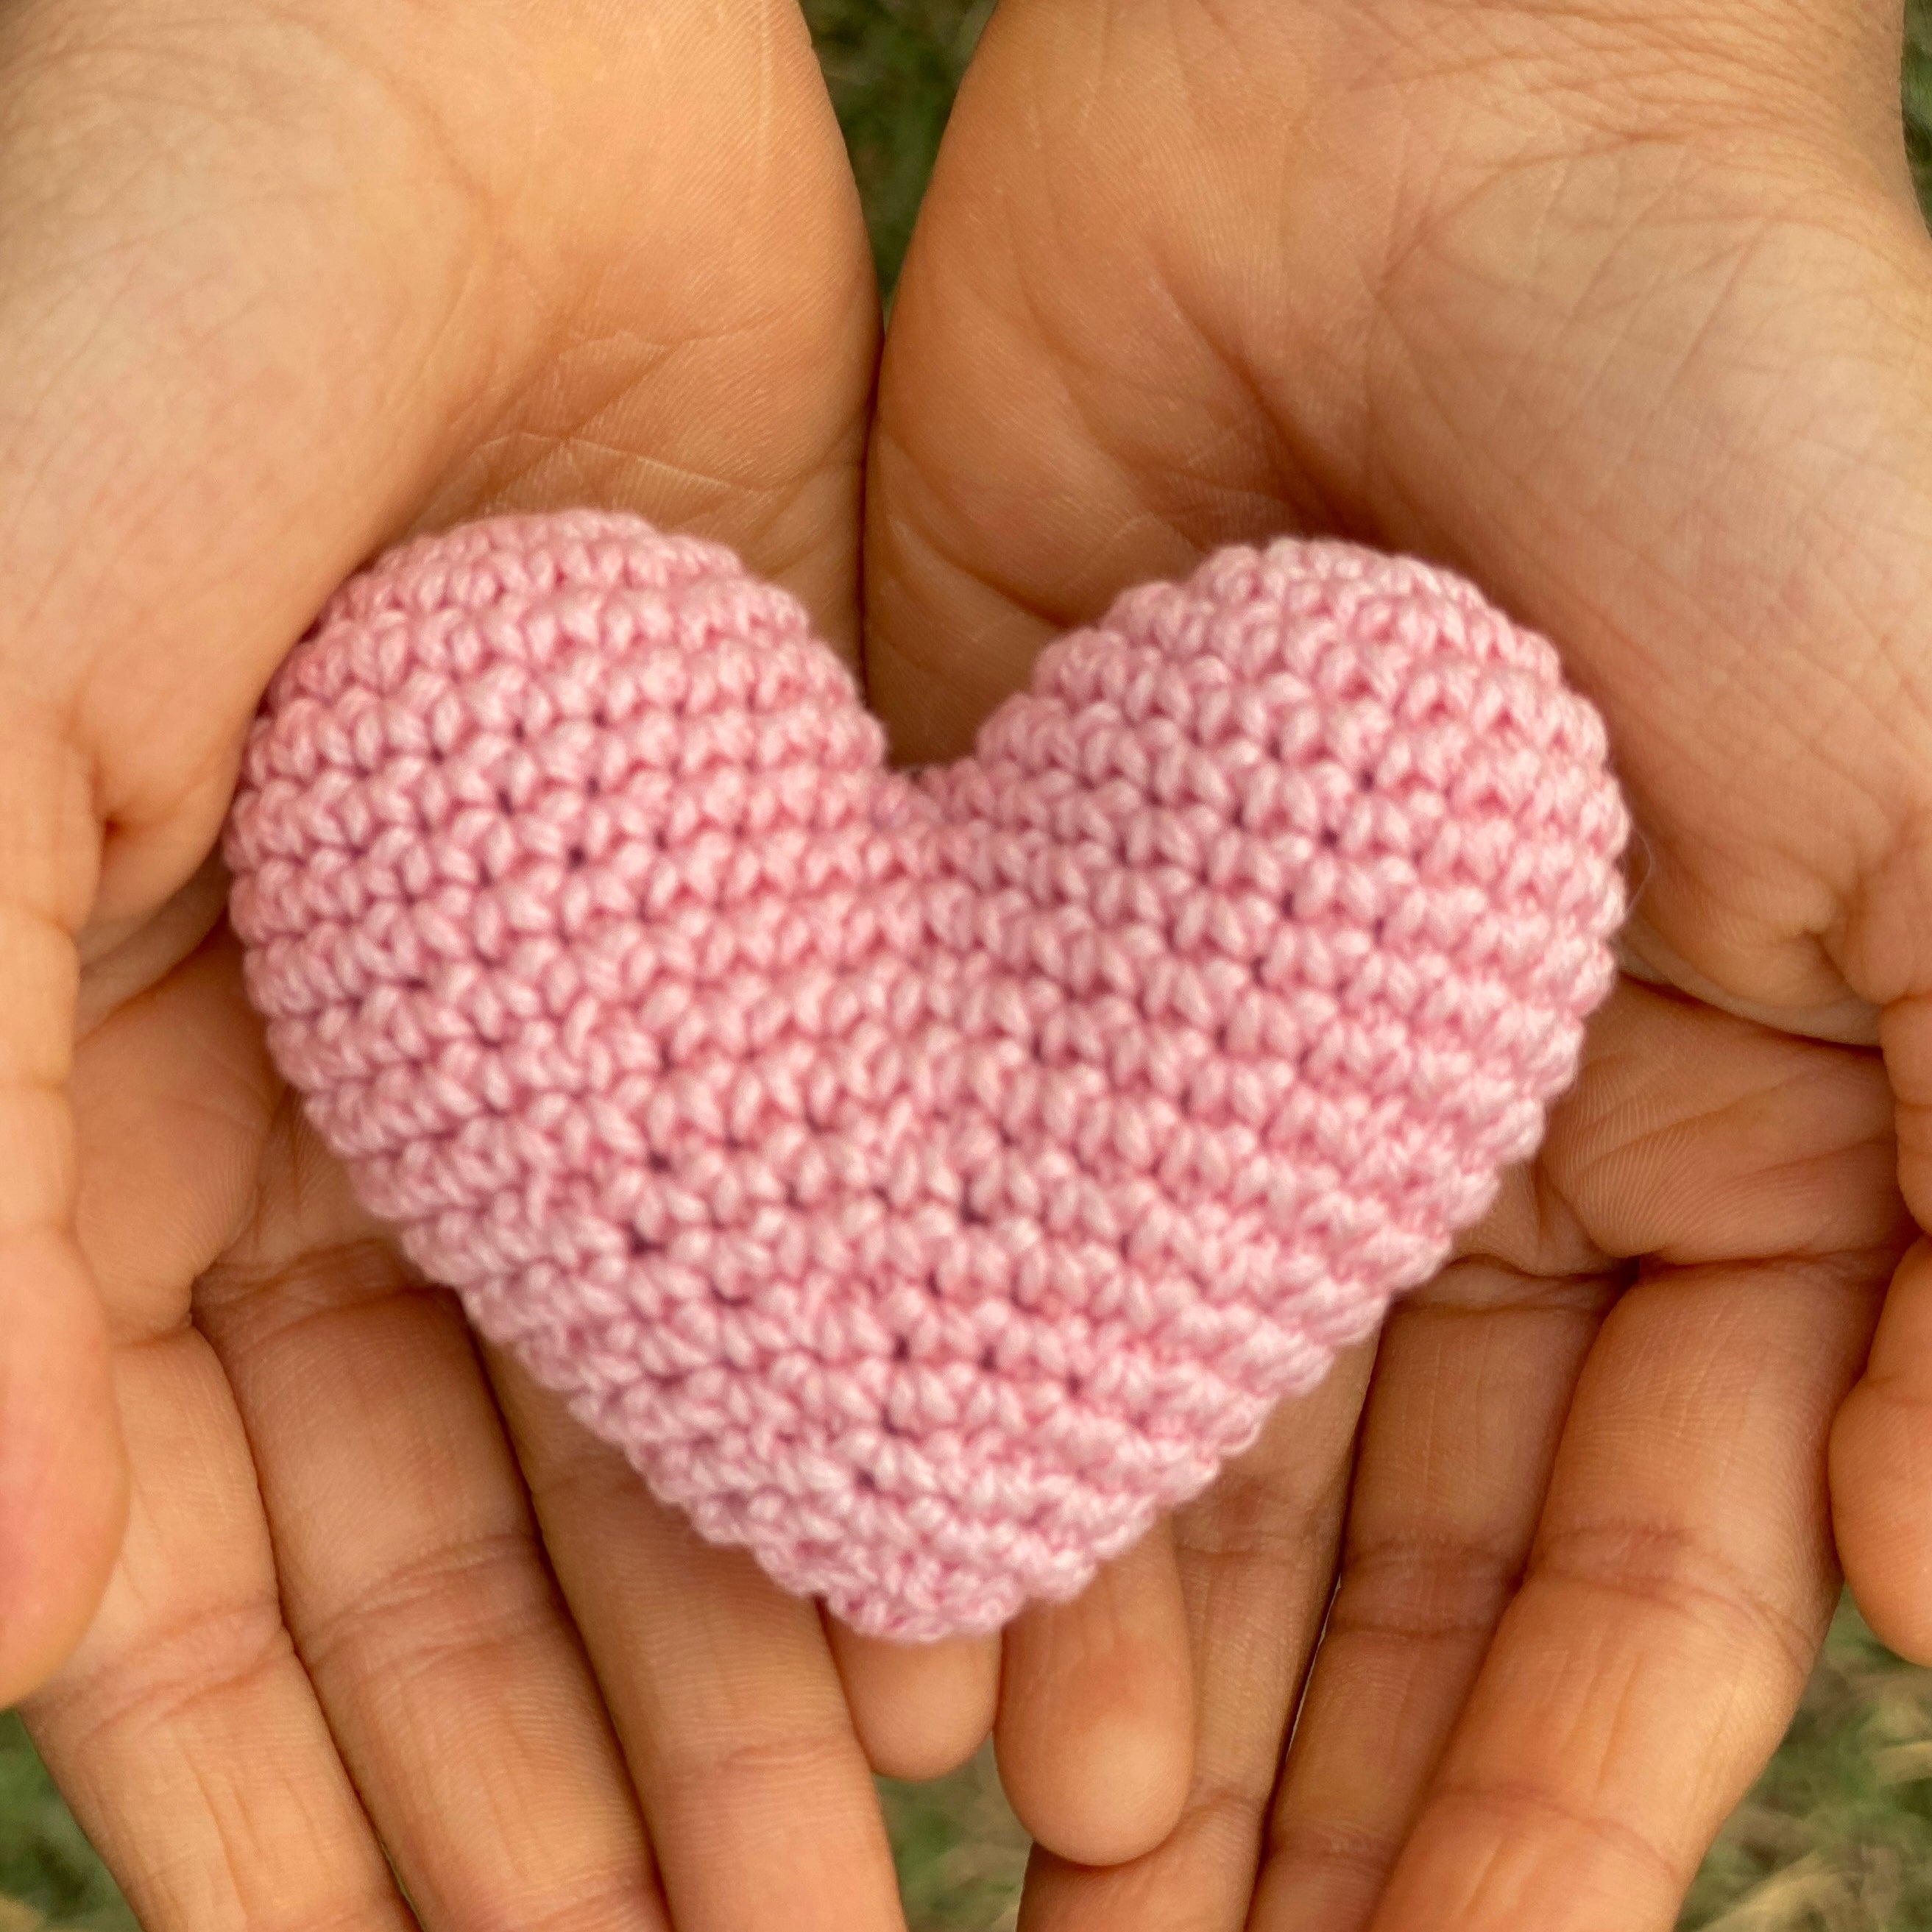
(923, 1180)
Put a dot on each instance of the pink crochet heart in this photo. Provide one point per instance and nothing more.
(924, 1180)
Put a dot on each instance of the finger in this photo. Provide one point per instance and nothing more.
(1881, 1443)
(1881, 1468)
(733, 1720)
(411, 1578)
(1095, 1732)
(1681, 1585)
(920, 1710)
(63, 1480)
(1256, 1555)
(1682, 1574)
(184, 1733)
(1473, 1379)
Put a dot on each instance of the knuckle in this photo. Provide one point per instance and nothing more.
(753, 1767)
(1422, 1588)
(268, 1301)
(606, 1901)
(476, 1596)
(1518, 1811)
(211, 1653)
(574, 1475)
(1312, 1844)
(1669, 1569)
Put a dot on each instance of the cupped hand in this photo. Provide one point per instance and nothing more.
(280, 284)
(1626, 311)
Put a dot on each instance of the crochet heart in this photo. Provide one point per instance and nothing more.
(924, 1180)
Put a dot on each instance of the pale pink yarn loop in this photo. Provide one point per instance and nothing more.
(923, 1180)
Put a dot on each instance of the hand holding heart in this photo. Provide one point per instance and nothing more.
(1491, 289)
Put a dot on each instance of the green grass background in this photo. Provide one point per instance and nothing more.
(1836, 1836)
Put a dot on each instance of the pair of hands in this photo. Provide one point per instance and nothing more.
(1625, 309)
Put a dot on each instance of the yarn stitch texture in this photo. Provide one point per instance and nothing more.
(923, 1180)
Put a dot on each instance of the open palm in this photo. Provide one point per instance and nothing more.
(1511, 290)
(1627, 312)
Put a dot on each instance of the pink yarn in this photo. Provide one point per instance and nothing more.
(923, 1180)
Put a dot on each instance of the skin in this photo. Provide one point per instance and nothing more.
(1623, 310)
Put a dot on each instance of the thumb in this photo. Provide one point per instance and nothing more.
(63, 1478)
(173, 501)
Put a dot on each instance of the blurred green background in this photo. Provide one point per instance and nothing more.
(1837, 1836)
